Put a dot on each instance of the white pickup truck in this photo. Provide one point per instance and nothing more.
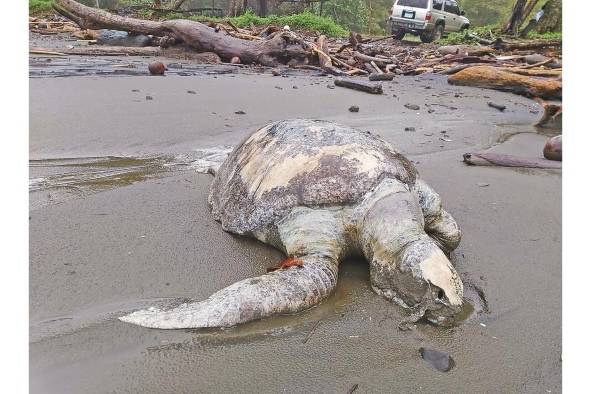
(428, 19)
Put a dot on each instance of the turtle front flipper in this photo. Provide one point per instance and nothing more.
(407, 266)
(289, 290)
(439, 223)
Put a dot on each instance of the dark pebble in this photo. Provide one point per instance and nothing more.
(409, 129)
(240, 112)
(353, 108)
(441, 361)
(149, 98)
(191, 92)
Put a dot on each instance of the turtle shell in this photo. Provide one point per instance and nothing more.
(300, 162)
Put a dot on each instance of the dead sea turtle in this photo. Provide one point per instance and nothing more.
(320, 192)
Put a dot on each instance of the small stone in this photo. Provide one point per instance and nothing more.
(330, 86)
(276, 72)
(410, 128)
(240, 112)
(278, 87)
(235, 60)
(430, 111)
(441, 361)
(483, 184)
(413, 107)
(443, 131)
(353, 108)
(444, 138)
(294, 87)
(135, 90)
(428, 134)
(191, 92)
(553, 148)
(149, 98)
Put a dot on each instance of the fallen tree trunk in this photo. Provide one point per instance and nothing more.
(493, 78)
(367, 87)
(504, 45)
(495, 159)
(281, 48)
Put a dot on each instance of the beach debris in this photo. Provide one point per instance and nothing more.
(354, 108)
(380, 58)
(507, 80)
(311, 331)
(552, 116)
(363, 86)
(553, 148)
(500, 107)
(412, 107)
(157, 68)
(381, 77)
(441, 361)
(496, 159)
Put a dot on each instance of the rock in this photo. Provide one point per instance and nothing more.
(135, 90)
(441, 361)
(191, 92)
(276, 72)
(235, 60)
(483, 184)
(122, 38)
(413, 107)
(240, 112)
(553, 148)
(157, 68)
(409, 129)
(353, 108)
(534, 58)
(330, 86)
(294, 87)
(278, 87)
(149, 98)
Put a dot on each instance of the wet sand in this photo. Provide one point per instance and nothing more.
(98, 252)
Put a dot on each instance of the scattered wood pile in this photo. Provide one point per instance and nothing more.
(531, 67)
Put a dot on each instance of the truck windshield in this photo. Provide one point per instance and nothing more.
(414, 3)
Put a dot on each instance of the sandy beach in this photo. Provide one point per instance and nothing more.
(108, 236)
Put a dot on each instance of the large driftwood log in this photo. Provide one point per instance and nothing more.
(536, 44)
(495, 159)
(493, 78)
(282, 48)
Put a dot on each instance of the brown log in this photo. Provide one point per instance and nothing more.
(496, 159)
(369, 59)
(493, 78)
(363, 86)
(532, 73)
(382, 77)
(280, 49)
(535, 44)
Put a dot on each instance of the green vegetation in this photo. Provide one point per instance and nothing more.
(545, 36)
(304, 20)
(39, 6)
(488, 32)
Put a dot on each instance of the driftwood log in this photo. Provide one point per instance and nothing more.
(496, 159)
(493, 78)
(374, 88)
(279, 48)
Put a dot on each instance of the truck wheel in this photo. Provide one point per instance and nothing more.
(434, 35)
(398, 34)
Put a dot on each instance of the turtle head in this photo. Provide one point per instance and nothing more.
(422, 279)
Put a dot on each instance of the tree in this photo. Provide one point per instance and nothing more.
(514, 21)
(551, 21)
